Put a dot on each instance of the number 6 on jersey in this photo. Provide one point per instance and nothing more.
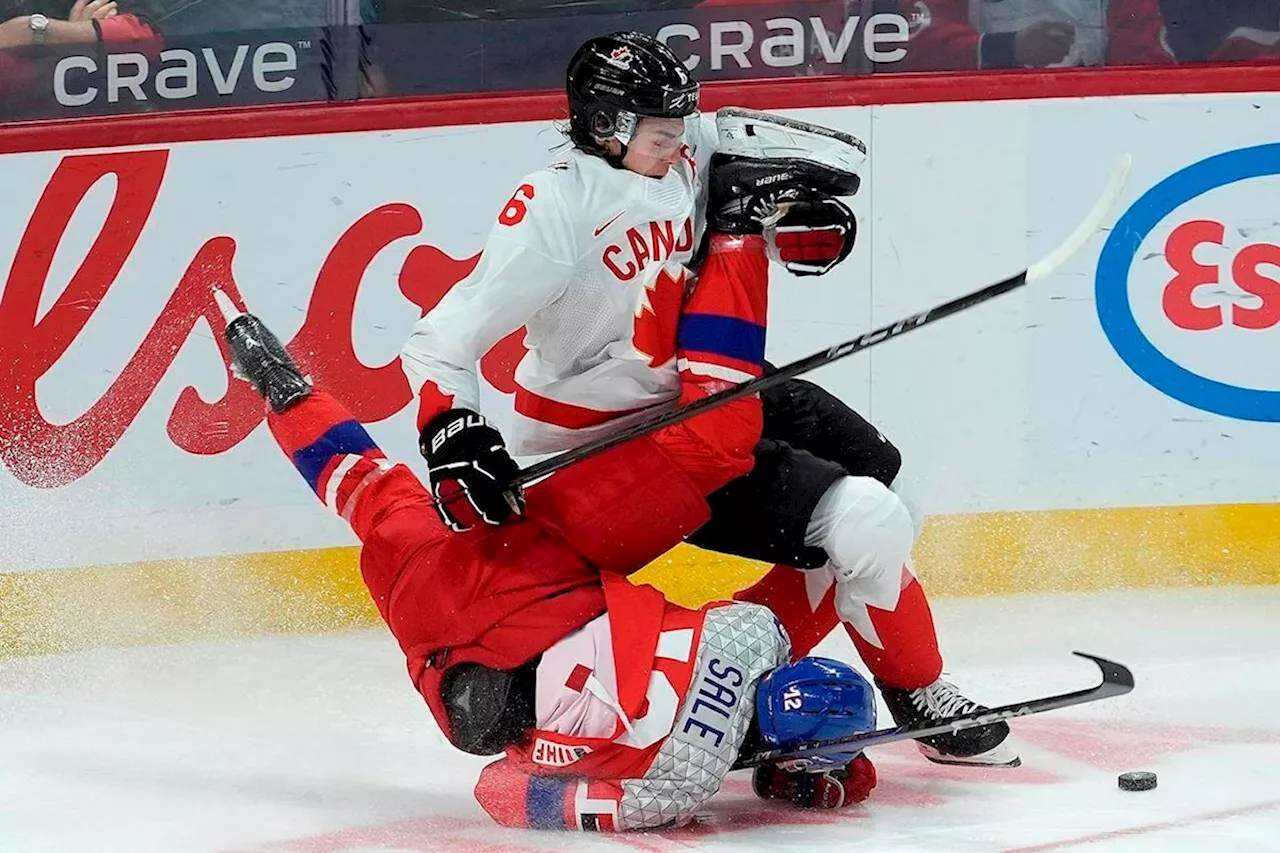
(515, 210)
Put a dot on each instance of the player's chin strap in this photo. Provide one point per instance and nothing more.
(615, 160)
(1037, 271)
(1117, 680)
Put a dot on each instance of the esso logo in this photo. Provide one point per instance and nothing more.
(1244, 270)
(1188, 285)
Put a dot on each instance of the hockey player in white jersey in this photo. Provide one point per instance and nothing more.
(591, 255)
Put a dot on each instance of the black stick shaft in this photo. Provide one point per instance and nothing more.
(1036, 272)
(782, 374)
(1116, 681)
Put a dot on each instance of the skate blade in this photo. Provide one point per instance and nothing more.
(740, 117)
(761, 136)
(1001, 755)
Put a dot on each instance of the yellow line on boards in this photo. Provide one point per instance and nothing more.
(295, 592)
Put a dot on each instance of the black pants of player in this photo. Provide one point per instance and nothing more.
(810, 440)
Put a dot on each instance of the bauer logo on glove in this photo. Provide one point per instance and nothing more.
(452, 428)
(468, 466)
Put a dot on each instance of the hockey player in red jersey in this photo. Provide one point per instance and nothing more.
(588, 255)
(617, 709)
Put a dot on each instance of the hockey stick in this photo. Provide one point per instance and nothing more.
(1117, 680)
(1038, 271)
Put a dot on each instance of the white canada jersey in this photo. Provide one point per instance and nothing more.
(591, 260)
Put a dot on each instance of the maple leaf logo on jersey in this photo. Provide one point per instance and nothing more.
(658, 317)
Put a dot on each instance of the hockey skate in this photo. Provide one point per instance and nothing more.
(925, 706)
(258, 357)
(764, 161)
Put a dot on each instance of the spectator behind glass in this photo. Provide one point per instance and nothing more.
(201, 17)
(1224, 30)
(81, 22)
(958, 34)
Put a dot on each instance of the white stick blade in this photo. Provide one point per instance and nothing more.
(225, 305)
(1050, 263)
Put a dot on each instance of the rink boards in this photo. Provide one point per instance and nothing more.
(1115, 425)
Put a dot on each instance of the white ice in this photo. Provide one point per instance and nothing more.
(319, 745)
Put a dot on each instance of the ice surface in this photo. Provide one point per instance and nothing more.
(319, 745)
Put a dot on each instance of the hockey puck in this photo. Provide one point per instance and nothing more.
(1139, 780)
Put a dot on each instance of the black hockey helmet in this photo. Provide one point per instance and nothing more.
(487, 708)
(615, 80)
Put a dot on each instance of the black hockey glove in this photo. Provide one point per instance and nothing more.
(812, 233)
(467, 457)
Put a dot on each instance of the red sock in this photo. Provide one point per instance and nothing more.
(783, 590)
(907, 655)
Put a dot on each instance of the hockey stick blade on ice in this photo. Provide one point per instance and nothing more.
(1117, 680)
(1038, 271)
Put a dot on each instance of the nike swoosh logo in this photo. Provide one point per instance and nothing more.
(601, 229)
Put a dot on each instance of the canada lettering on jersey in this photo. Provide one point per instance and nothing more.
(648, 245)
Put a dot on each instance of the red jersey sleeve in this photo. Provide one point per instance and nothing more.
(124, 28)
(341, 462)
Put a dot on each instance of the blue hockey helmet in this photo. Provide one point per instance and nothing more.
(813, 699)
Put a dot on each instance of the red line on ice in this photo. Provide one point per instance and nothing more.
(1142, 830)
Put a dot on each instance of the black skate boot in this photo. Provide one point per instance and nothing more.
(258, 356)
(765, 161)
(925, 706)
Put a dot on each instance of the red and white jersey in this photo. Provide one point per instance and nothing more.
(590, 259)
(640, 715)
